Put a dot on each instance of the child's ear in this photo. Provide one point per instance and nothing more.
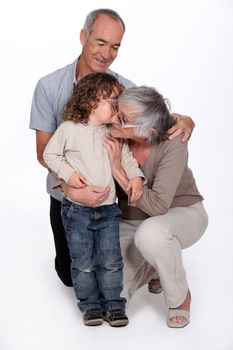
(153, 130)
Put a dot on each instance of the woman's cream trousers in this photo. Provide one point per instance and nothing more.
(155, 246)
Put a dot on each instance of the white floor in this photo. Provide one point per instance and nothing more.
(38, 313)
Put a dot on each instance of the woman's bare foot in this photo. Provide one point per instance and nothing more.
(184, 306)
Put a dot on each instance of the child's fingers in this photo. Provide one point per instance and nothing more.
(136, 194)
(82, 179)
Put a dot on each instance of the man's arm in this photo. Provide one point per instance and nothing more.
(42, 138)
(42, 118)
(90, 196)
(184, 125)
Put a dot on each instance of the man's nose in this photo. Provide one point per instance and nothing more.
(106, 52)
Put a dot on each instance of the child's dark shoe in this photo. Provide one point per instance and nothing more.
(116, 318)
(93, 317)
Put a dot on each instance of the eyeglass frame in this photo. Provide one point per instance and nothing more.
(125, 125)
(115, 108)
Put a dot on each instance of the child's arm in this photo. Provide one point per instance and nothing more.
(54, 154)
(77, 180)
(135, 189)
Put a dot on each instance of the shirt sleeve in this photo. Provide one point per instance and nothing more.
(157, 199)
(54, 155)
(42, 109)
(130, 164)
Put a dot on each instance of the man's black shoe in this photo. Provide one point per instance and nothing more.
(116, 318)
(93, 317)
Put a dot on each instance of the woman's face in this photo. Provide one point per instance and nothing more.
(123, 122)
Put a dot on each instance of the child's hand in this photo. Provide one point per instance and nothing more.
(77, 180)
(135, 188)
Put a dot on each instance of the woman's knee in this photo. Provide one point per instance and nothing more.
(152, 234)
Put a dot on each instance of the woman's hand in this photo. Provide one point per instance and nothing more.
(184, 125)
(114, 148)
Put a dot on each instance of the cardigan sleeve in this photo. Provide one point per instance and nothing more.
(171, 161)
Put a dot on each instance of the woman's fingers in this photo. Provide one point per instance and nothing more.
(113, 146)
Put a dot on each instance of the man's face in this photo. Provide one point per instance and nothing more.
(101, 48)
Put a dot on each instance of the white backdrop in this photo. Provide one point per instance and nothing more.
(185, 49)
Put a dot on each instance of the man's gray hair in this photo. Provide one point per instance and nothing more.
(151, 111)
(93, 15)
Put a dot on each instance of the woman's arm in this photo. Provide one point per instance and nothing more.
(114, 148)
(157, 199)
(124, 167)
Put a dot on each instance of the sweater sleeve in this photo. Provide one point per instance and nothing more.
(157, 199)
(130, 164)
(54, 154)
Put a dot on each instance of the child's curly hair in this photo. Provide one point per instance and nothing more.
(86, 95)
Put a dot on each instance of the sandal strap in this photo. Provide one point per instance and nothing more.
(179, 312)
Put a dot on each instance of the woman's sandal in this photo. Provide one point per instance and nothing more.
(154, 286)
(182, 311)
(172, 313)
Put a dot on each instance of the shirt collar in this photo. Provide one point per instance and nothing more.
(74, 72)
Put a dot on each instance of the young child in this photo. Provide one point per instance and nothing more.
(76, 154)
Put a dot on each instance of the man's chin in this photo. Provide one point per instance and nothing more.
(101, 67)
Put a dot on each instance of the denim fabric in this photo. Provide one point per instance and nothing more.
(96, 263)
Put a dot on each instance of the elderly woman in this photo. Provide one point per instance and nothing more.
(170, 215)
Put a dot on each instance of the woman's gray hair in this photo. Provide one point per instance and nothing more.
(153, 118)
(93, 15)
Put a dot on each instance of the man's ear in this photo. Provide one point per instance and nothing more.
(83, 37)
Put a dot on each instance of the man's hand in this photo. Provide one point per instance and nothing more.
(184, 125)
(90, 196)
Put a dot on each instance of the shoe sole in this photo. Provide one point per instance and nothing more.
(96, 322)
(177, 325)
(117, 323)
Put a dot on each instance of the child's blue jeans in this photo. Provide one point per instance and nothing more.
(96, 263)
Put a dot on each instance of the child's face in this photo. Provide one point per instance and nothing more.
(104, 111)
